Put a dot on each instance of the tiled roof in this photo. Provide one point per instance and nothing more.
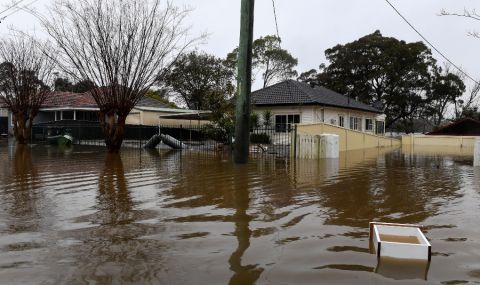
(85, 100)
(150, 102)
(69, 100)
(291, 92)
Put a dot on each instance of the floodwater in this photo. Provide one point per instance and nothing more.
(80, 216)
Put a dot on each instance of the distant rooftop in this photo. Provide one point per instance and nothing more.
(85, 100)
(69, 99)
(463, 127)
(291, 92)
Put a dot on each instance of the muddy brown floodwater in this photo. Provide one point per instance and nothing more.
(80, 216)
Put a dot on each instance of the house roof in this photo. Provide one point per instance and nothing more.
(150, 102)
(70, 100)
(464, 127)
(291, 92)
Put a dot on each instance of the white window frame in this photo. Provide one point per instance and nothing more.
(287, 124)
(341, 121)
(355, 123)
(367, 128)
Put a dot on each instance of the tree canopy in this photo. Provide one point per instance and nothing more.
(201, 82)
(65, 85)
(402, 76)
(274, 63)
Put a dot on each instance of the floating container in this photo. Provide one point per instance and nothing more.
(402, 241)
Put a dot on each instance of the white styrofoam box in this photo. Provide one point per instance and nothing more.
(399, 249)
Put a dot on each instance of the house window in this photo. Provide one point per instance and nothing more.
(368, 124)
(87, 116)
(341, 121)
(283, 122)
(355, 123)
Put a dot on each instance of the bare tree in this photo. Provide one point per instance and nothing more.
(469, 101)
(120, 46)
(466, 14)
(25, 72)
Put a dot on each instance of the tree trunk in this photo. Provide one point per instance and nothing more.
(113, 128)
(21, 128)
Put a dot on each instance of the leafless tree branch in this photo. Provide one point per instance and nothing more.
(25, 75)
(121, 46)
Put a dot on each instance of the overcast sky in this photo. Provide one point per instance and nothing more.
(308, 27)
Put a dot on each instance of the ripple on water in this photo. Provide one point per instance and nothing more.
(196, 218)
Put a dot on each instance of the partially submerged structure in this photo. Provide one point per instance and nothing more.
(292, 102)
(458, 135)
(81, 108)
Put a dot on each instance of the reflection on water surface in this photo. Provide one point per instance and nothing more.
(81, 216)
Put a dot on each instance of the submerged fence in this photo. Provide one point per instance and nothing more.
(266, 141)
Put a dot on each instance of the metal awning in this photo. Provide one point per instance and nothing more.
(199, 115)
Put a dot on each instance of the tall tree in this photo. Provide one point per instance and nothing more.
(273, 62)
(381, 69)
(446, 88)
(83, 86)
(201, 81)
(162, 96)
(25, 72)
(63, 84)
(468, 102)
(120, 46)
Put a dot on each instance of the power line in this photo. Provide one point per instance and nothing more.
(17, 9)
(13, 6)
(276, 22)
(429, 43)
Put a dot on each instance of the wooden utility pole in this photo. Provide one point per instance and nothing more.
(244, 85)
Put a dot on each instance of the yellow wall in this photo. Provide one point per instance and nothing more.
(150, 118)
(348, 139)
(447, 141)
(134, 118)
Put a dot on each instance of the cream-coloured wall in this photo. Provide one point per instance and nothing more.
(348, 139)
(151, 118)
(313, 114)
(134, 118)
(448, 141)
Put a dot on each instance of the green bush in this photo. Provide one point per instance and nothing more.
(260, 138)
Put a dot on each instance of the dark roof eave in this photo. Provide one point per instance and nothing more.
(314, 103)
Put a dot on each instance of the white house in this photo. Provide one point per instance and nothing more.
(292, 102)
